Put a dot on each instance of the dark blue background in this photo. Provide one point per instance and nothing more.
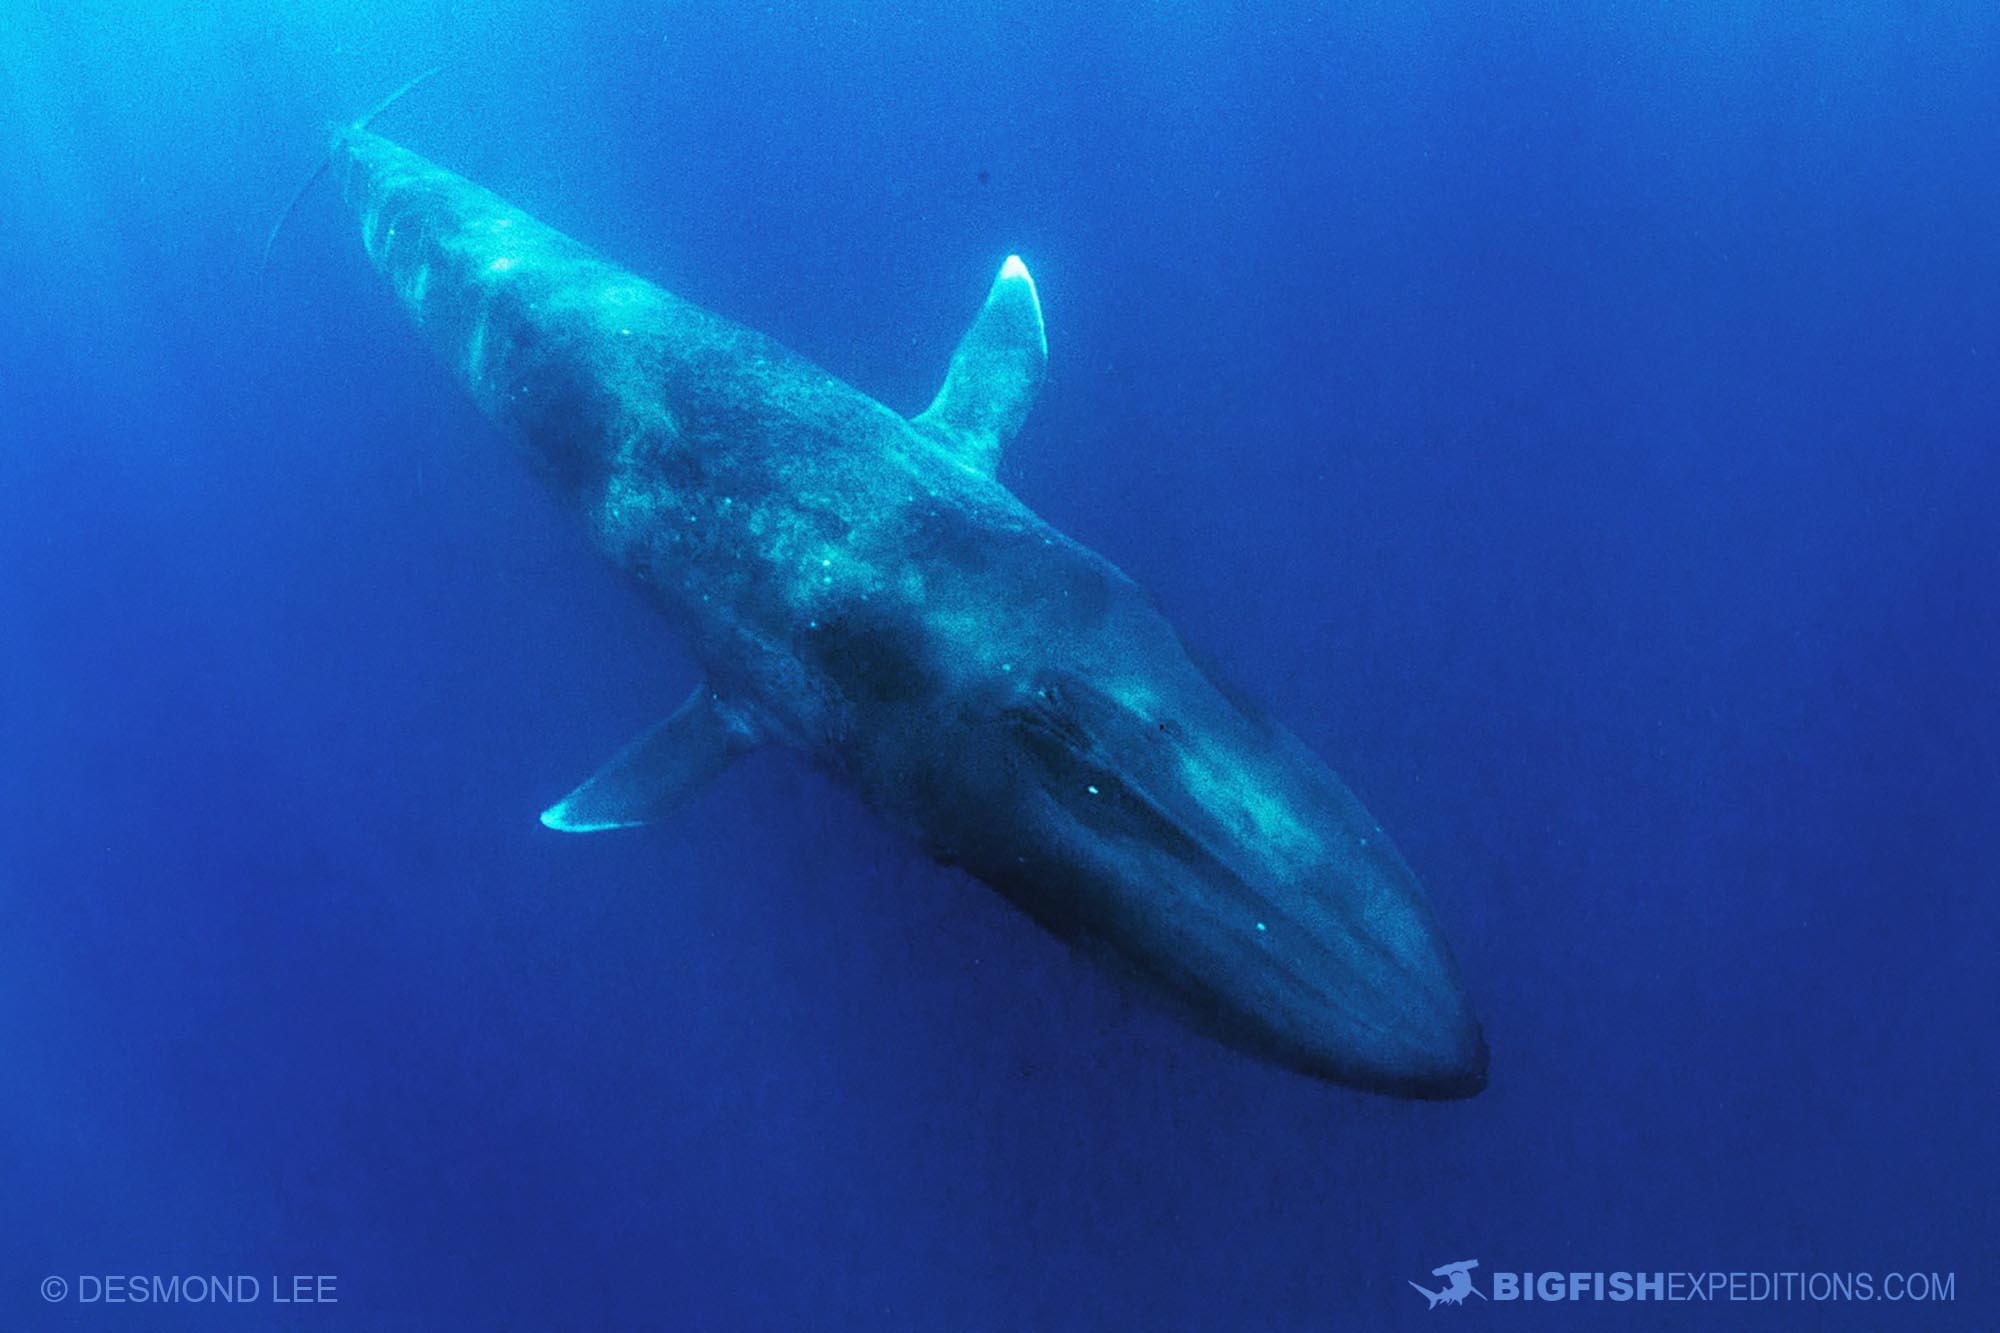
(1578, 422)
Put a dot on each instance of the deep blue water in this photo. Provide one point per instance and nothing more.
(1577, 422)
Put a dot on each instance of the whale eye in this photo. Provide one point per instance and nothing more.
(1058, 730)
(1042, 723)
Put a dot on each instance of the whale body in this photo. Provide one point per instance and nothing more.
(858, 586)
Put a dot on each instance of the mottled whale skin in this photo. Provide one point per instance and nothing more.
(858, 586)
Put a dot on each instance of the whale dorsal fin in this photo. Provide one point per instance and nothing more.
(994, 375)
(663, 767)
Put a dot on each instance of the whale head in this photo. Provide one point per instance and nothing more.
(1111, 789)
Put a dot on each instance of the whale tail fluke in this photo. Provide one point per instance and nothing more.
(271, 241)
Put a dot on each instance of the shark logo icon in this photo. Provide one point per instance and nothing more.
(1457, 1284)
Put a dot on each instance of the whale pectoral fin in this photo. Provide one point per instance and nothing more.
(664, 766)
(995, 373)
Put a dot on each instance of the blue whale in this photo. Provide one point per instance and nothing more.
(858, 585)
